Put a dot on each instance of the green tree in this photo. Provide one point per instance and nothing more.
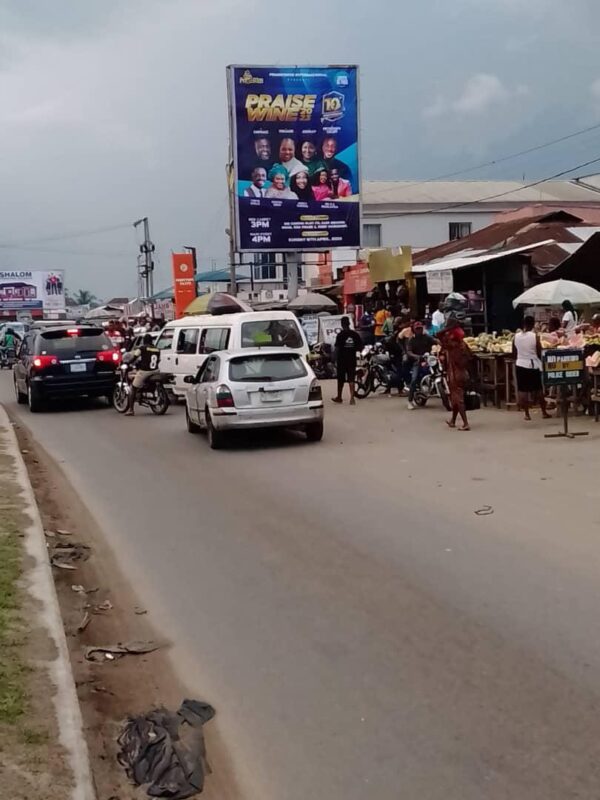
(84, 298)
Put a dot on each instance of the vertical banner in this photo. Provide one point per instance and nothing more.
(184, 285)
(294, 134)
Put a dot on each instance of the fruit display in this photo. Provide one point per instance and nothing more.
(490, 343)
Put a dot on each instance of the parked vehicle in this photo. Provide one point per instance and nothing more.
(153, 395)
(374, 371)
(321, 360)
(433, 384)
(254, 388)
(185, 343)
(62, 362)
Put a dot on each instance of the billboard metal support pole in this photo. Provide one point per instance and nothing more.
(146, 268)
(293, 260)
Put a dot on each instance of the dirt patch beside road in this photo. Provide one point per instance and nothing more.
(32, 763)
(108, 692)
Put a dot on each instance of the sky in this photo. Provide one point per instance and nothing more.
(111, 110)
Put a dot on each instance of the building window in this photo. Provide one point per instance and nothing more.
(371, 235)
(265, 267)
(459, 229)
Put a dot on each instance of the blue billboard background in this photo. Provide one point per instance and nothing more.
(296, 167)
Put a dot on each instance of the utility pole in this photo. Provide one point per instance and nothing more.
(145, 261)
(230, 230)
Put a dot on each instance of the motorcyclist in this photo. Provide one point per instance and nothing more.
(8, 344)
(146, 358)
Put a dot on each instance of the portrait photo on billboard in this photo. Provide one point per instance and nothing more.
(294, 133)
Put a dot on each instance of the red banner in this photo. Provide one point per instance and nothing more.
(184, 285)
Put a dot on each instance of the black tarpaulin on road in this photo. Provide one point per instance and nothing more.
(166, 750)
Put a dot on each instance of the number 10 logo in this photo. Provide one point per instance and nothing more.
(333, 106)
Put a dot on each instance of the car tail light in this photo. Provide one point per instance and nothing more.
(315, 392)
(73, 331)
(42, 362)
(224, 397)
(109, 356)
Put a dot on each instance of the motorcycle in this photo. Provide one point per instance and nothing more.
(374, 371)
(321, 360)
(153, 394)
(8, 357)
(433, 384)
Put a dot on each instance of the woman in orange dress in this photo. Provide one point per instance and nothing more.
(456, 356)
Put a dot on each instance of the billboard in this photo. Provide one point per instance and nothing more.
(35, 291)
(294, 133)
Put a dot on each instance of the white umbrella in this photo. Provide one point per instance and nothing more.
(311, 301)
(554, 293)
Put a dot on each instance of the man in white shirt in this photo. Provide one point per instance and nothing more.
(438, 319)
(259, 178)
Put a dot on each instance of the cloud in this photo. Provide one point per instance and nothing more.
(480, 93)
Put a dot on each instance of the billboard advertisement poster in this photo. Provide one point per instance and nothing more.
(294, 134)
(184, 284)
(35, 291)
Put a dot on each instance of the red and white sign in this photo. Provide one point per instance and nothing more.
(184, 285)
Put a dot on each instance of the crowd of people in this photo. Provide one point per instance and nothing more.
(407, 341)
(301, 173)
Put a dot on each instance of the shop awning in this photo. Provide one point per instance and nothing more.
(462, 262)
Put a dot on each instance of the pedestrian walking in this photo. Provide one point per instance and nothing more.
(347, 344)
(456, 354)
(527, 350)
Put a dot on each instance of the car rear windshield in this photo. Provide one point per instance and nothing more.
(266, 368)
(271, 333)
(63, 342)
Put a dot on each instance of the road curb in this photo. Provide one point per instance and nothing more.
(41, 586)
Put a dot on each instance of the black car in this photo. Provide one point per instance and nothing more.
(65, 361)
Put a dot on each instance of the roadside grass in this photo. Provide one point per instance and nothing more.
(13, 672)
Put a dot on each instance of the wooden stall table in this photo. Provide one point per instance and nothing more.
(510, 383)
(595, 393)
(490, 375)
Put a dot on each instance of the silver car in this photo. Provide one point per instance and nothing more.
(263, 387)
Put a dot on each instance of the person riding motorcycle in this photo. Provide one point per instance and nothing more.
(146, 358)
(8, 344)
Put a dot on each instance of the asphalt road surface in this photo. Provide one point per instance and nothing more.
(362, 631)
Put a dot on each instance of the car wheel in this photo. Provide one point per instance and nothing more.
(34, 401)
(191, 426)
(21, 398)
(314, 431)
(215, 437)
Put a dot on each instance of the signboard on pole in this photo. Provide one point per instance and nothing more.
(563, 367)
(439, 281)
(330, 326)
(35, 291)
(294, 134)
(184, 285)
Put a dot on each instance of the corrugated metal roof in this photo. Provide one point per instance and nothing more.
(462, 262)
(377, 193)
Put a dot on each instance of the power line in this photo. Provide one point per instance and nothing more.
(99, 253)
(499, 160)
(493, 196)
(75, 235)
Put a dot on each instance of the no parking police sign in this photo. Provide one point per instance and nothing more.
(561, 367)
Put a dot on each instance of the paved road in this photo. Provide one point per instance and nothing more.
(362, 632)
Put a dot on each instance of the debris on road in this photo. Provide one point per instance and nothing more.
(85, 621)
(78, 589)
(112, 652)
(485, 511)
(65, 555)
(166, 750)
(139, 611)
(102, 607)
